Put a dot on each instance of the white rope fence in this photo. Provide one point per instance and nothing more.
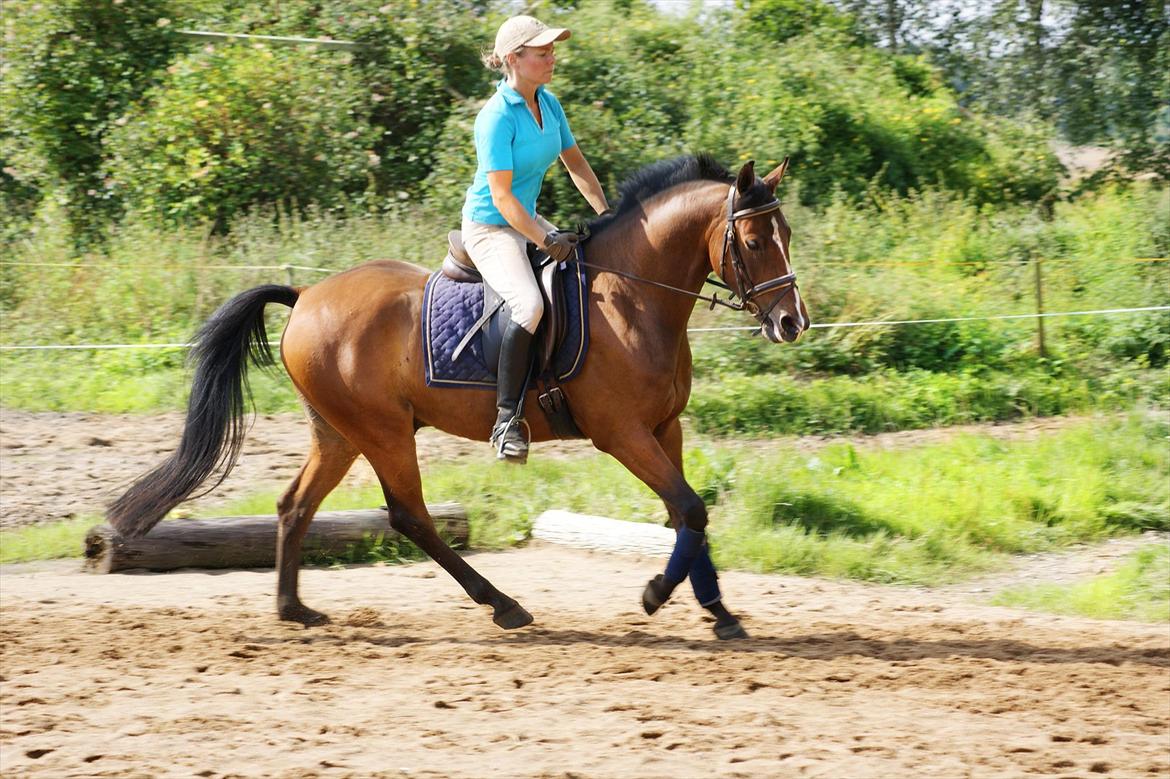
(827, 325)
(855, 264)
(880, 322)
(107, 266)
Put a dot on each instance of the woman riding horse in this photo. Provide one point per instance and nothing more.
(353, 347)
(518, 134)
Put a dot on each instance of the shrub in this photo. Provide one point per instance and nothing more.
(234, 128)
(71, 66)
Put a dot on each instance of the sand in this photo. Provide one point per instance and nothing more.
(190, 674)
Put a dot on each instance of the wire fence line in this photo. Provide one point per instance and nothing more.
(278, 40)
(826, 325)
(115, 266)
(287, 266)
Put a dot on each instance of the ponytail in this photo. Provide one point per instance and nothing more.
(492, 61)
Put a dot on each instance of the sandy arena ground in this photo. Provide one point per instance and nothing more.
(190, 674)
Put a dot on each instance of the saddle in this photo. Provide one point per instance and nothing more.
(459, 267)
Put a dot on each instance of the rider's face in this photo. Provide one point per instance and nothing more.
(535, 64)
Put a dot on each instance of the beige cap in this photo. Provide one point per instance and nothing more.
(526, 31)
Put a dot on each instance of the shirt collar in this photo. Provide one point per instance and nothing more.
(511, 95)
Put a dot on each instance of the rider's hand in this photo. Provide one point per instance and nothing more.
(560, 243)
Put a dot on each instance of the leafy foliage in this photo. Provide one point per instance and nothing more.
(1094, 68)
(231, 129)
(71, 67)
(181, 131)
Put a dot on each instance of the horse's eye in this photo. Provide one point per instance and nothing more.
(753, 244)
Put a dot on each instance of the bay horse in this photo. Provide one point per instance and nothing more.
(352, 347)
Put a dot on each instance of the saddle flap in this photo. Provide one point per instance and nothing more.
(553, 322)
(462, 324)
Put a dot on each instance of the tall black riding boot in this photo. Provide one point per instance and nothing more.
(509, 433)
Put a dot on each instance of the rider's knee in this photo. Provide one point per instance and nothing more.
(528, 313)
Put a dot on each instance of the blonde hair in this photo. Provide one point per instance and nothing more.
(493, 61)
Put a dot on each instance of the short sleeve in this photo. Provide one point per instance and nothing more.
(494, 133)
(567, 139)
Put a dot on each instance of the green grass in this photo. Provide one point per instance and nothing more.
(732, 404)
(769, 405)
(1138, 590)
(921, 515)
(938, 513)
(52, 541)
(114, 382)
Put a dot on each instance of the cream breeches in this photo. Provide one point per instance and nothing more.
(500, 254)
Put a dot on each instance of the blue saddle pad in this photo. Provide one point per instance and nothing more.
(451, 308)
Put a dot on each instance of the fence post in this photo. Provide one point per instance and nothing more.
(289, 270)
(1040, 345)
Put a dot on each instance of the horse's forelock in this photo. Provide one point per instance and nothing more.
(758, 195)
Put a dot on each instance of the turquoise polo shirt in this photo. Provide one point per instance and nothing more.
(507, 137)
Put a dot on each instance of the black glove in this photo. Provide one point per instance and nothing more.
(559, 244)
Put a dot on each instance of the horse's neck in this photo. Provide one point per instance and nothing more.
(665, 242)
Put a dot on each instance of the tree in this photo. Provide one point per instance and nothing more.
(75, 66)
(1097, 69)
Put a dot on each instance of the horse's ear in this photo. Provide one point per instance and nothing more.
(773, 179)
(747, 177)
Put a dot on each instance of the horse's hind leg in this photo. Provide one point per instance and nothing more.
(330, 457)
(397, 468)
(704, 580)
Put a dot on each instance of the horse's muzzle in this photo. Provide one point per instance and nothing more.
(788, 329)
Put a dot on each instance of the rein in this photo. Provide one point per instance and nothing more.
(714, 300)
(747, 291)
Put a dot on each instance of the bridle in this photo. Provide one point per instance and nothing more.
(745, 289)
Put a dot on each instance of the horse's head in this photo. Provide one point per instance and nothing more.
(751, 255)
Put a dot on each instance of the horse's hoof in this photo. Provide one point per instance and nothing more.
(304, 615)
(512, 617)
(730, 631)
(656, 593)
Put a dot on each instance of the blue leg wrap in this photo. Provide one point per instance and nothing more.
(704, 581)
(688, 544)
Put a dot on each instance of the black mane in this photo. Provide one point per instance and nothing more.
(657, 177)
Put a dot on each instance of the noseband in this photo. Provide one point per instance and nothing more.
(745, 289)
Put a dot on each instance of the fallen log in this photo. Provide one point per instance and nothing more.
(250, 542)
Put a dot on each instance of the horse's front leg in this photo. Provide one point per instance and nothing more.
(704, 580)
(640, 451)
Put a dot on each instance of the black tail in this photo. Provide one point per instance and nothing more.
(214, 432)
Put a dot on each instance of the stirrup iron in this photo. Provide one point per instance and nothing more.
(508, 448)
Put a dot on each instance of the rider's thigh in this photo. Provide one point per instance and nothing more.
(501, 255)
